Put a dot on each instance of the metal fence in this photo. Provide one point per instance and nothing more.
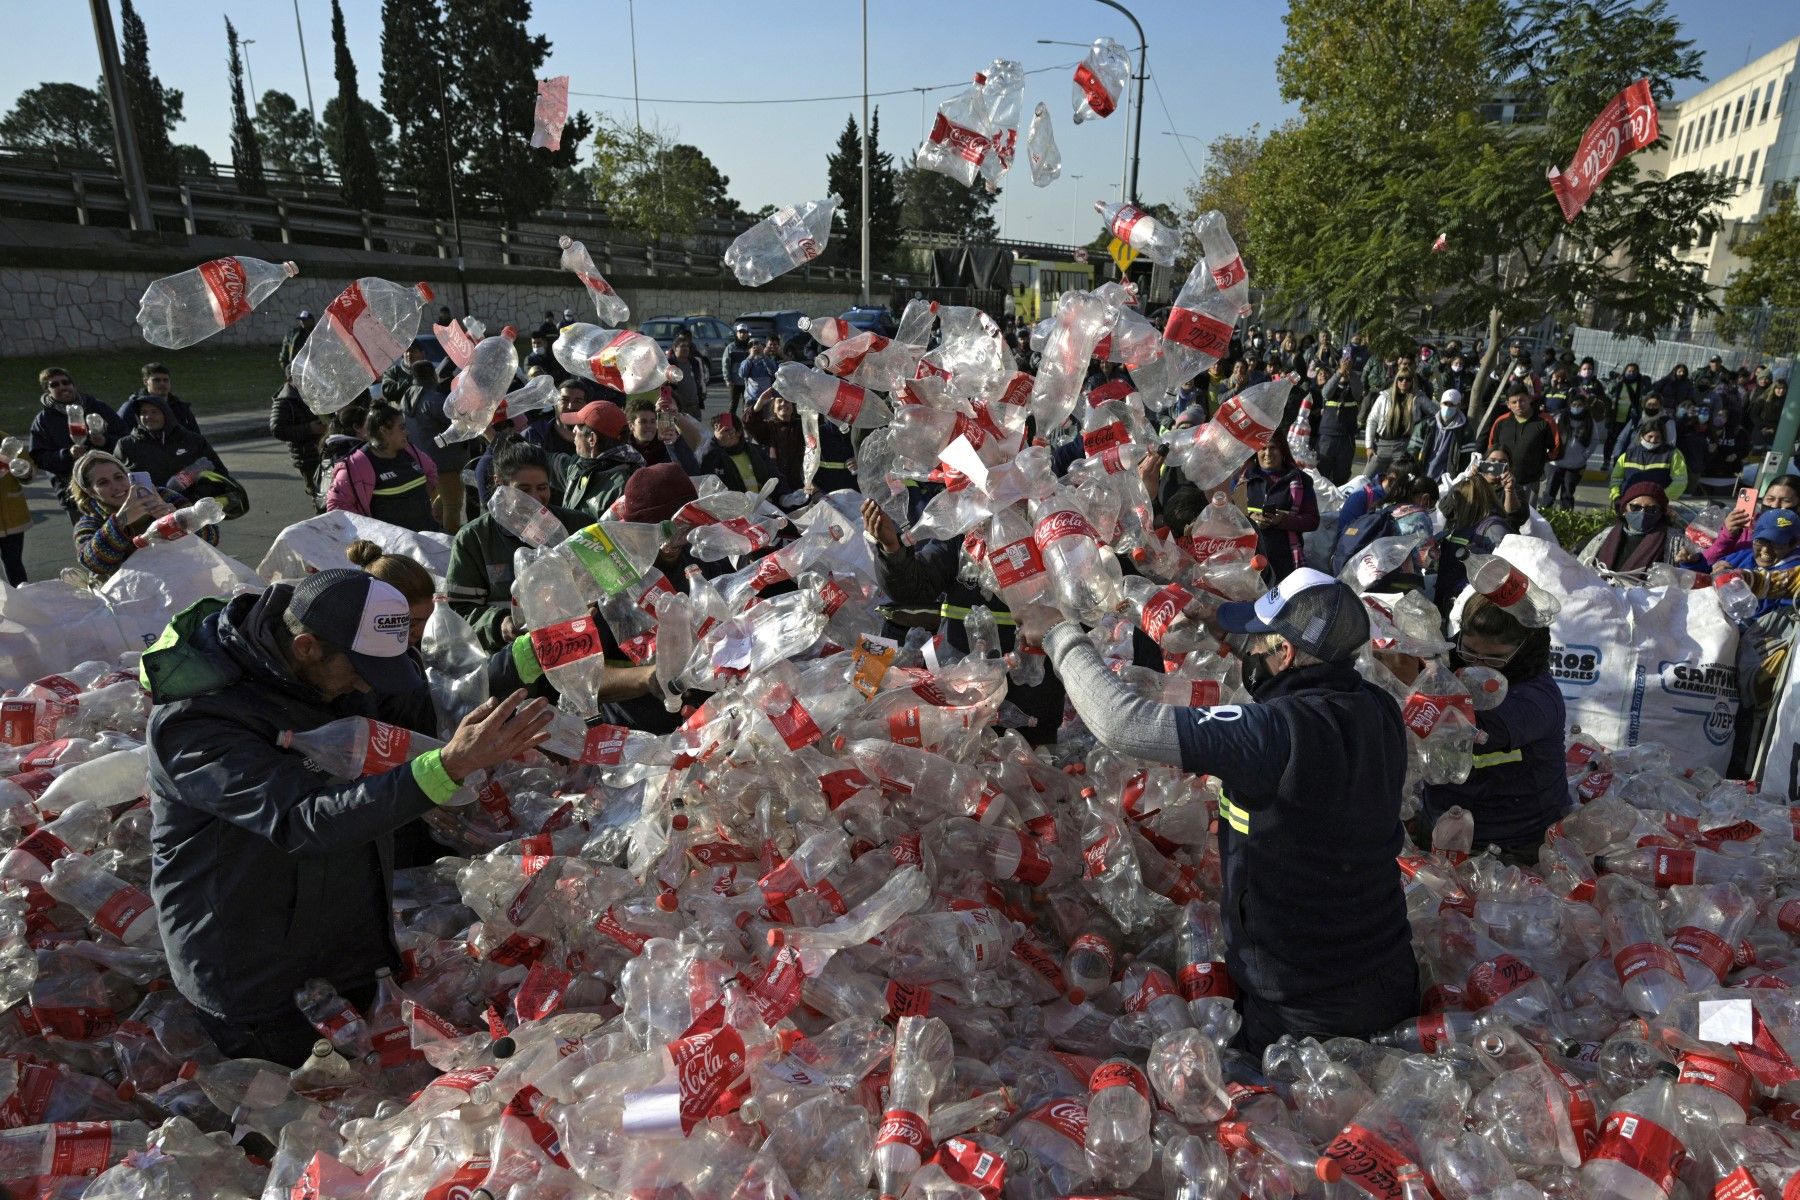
(1740, 337)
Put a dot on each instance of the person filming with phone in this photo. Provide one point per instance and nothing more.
(1478, 512)
(113, 508)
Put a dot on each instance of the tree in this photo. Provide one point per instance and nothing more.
(934, 203)
(491, 68)
(412, 79)
(1226, 183)
(647, 181)
(1763, 299)
(380, 134)
(290, 143)
(155, 110)
(246, 153)
(843, 178)
(1392, 148)
(359, 174)
(64, 120)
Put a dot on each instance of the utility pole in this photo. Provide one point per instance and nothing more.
(462, 278)
(1143, 73)
(300, 34)
(245, 44)
(131, 167)
(865, 154)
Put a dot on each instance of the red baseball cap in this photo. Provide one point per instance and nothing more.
(602, 416)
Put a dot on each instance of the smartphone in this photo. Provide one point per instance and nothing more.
(142, 479)
(1746, 501)
(1492, 470)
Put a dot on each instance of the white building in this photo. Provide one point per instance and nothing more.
(1745, 127)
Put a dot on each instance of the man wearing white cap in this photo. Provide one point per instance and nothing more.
(266, 870)
(1316, 936)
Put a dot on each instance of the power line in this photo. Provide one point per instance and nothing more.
(814, 99)
(1179, 140)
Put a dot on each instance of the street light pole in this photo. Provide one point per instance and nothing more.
(450, 178)
(245, 44)
(865, 155)
(300, 33)
(1143, 73)
(636, 109)
(131, 167)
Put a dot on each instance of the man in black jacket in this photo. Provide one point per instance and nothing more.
(53, 446)
(161, 447)
(1316, 936)
(291, 421)
(157, 383)
(266, 870)
(736, 352)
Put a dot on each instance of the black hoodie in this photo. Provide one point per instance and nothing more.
(167, 452)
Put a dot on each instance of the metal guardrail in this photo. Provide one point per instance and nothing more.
(89, 197)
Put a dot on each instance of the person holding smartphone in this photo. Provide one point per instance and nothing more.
(1478, 513)
(113, 509)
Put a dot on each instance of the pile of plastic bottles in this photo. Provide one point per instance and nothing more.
(846, 929)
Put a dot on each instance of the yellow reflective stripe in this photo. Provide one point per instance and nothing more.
(952, 612)
(1237, 818)
(405, 487)
(834, 466)
(1497, 758)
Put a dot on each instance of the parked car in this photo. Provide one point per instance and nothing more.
(710, 335)
(873, 319)
(785, 324)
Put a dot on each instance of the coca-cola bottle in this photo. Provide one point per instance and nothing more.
(1508, 587)
(920, 1043)
(179, 310)
(1085, 582)
(1142, 232)
(363, 331)
(357, 747)
(608, 304)
(1243, 425)
(1119, 1146)
(1641, 1144)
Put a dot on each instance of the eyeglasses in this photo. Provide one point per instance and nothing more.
(1496, 661)
(1650, 506)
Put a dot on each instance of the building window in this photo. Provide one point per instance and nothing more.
(1737, 171)
(1736, 113)
(1750, 175)
(1767, 96)
(1765, 174)
(1706, 236)
(1750, 109)
(1711, 118)
(1785, 85)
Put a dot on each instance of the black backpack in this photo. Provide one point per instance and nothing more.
(1354, 537)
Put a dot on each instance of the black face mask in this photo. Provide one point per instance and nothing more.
(1255, 666)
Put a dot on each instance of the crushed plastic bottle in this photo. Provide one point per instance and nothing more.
(179, 310)
(609, 306)
(786, 239)
(621, 359)
(1139, 230)
(178, 524)
(362, 332)
(1100, 80)
(1040, 148)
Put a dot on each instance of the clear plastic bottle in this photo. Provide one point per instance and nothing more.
(1041, 153)
(336, 1019)
(1453, 835)
(357, 747)
(1100, 80)
(1142, 232)
(1086, 582)
(1508, 587)
(524, 518)
(621, 359)
(920, 1043)
(832, 398)
(362, 333)
(121, 910)
(572, 655)
(481, 387)
(786, 239)
(179, 310)
(1641, 1144)
(1119, 1146)
(79, 829)
(1243, 425)
(197, 516)
(79, 1149)
(608, 304)
(1649, 973)
(1223, 264)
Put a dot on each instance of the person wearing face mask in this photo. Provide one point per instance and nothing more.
(1627, 401)
(1444, 443)
(1651, 458)
(1674, 387)
(1556, 390)
(1342, 401)
(1391, 421)
(1773, 561)
(1587, 387)
(1515, 789)
(1640, 538)
(1727, 446)
(1762, 408)
(1575, 427)
(1311, 775)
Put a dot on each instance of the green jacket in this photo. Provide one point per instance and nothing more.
(480, 579)
(590, 485)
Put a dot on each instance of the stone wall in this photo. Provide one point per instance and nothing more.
(58, 309)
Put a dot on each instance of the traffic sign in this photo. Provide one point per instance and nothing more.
(1122, 253)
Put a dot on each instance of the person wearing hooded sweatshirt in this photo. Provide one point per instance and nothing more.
(1577, 430)
(1515, 789)
(1675, 387)
(742, 466)
(590, 479)
(51, 444)
(1651, 457)
(1444, 443)
(156, 382)
(1767, 639)
(267, 869)
(161, 447)
(1640, 538)
(112, 512)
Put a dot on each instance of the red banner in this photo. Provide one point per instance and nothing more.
(1627, 123)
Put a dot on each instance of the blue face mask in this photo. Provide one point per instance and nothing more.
(1638, 520)
(1578, 409)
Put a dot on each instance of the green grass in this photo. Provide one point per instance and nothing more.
(214, 379)
(1574, 527)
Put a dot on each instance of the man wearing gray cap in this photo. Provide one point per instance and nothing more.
(1316, 934)
(266, 869)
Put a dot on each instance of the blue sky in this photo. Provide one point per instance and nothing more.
(1212, 63)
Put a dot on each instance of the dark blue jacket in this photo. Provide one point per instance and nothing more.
(1309, 828)
(50, 443)
(1517, 788)
(265, 871)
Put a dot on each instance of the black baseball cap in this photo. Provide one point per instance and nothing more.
(366, 619)
(1309, 608)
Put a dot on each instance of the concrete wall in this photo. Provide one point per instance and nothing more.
(53, 310)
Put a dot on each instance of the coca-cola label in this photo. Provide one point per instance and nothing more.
(542, 992)
(1068, 1117)
(1704, 947)
(1161, 610)
(121, 909)
(1120, 1074)
(81, 1148)
(839, 786)
(963, 142)
(1671, 868)
(1242, 424)
(1198, 331)
(565, 642)
(1033, 867)
(1107, 437)
(1098, 98)
(908, 999)
(604, 745)
(604, 365)
(1200, 981)
(44, 846)
(903, 727)
(1125, 220)
(1726, 1076)
(388, 748)
(30, 1101)
(18, 722)
(1368, 1161)
(906, 851)
(1643, 1146)
(1204, 693)
(1016, 562)
(1634, 960)
(1229, 275)
(1061, 524)
(1739, 1185)
(1788, 916)
(1511, 590)
(966, 1162)
(793, 724)
(228, 289)
(1594, 786)
(708, 1058)
(527, 1108)
(1423, 713)
(1764, 1056)
(900, 1127)
(517, 949)
(1040, 963)
(608, 927)
(1584, 1121)
(776, 992)
(1154, 986)
(462, 1183)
